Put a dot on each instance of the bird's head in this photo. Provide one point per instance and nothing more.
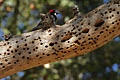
(53, 12)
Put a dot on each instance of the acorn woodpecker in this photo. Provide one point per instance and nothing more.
(53, 13)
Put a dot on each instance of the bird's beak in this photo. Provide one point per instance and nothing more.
(57, 13)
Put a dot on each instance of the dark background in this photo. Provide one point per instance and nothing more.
(19, 16)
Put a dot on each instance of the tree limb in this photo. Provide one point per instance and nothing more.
(76, 37)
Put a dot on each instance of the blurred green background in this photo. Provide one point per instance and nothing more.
(19, 16)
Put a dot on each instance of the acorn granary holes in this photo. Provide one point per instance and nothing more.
(66, 37)
(99, 22)
(86, 30)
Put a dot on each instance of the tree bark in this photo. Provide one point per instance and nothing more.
(74, 38)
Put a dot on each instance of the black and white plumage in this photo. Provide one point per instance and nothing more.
(53, 14)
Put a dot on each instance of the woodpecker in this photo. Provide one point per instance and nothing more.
(53, 13)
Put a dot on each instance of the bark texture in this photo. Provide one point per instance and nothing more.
(78, 36)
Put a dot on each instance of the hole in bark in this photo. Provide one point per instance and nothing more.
(27, 57)
(17, 46)
(6, 60)
(77, 42)
(67, 37)
(46, 46)
(15, 50)
(3, 66)
(23, 48)
(25, 44)
(13, 56)
(51, 44)
(27, 48)
(7, 49)
(37, 55)
(86, 30)
(101, 32)
(8, 53)
(10, 46)
(9, 63)
(33, 49)
(16, 41)
(117, 12)
(23, 57)
(36, 47)
(29, 52)
(1, 63)
(48, 54)
(32, 42)
(99, 22)
(41, 43)
(19, 53)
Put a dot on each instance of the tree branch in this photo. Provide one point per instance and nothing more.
(76, 37)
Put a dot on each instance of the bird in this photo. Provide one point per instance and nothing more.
(53, 14)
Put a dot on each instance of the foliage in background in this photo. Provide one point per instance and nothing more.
(19, 16)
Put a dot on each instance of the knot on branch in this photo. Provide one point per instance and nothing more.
(7, 36)
(77, 14)
(76, 11)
